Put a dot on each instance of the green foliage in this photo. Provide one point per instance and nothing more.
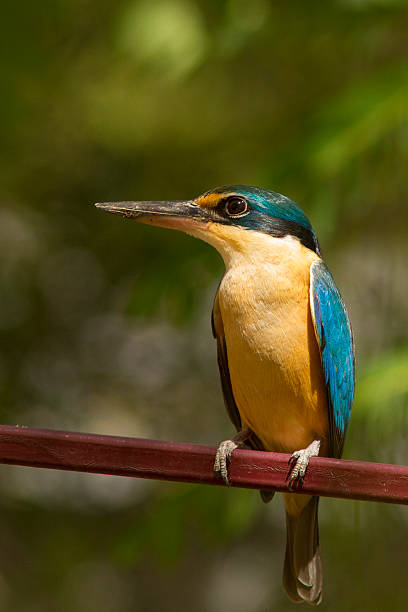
(165, 528)
(104, 324)
(383, 383)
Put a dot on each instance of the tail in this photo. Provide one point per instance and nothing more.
(302, 572)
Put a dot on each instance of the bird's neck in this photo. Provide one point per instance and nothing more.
(242, 248)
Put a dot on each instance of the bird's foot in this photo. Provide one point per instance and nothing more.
(225, 450)
(298, 462)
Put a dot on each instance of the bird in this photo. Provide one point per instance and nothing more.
(285, 346)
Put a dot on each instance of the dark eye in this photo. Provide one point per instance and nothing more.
(236, 207)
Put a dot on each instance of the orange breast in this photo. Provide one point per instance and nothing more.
(273, 356)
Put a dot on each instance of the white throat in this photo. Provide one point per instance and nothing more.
(241, 247)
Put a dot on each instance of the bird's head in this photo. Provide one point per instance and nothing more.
(224, 216)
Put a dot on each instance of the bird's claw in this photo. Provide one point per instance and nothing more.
(293, 458)
(223, 457)
(298, 462)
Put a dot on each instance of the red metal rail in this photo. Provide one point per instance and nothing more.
(141, 458)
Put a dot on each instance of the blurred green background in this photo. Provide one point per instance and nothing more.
(104, 323)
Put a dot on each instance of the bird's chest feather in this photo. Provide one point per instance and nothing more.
(273, 358)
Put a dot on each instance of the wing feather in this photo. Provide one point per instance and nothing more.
(335, 339)
(218, 333)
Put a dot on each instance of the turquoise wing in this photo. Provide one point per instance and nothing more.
(335, 339)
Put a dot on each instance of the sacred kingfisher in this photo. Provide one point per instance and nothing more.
(284, 344)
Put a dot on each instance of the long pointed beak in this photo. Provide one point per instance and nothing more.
(180, 214)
